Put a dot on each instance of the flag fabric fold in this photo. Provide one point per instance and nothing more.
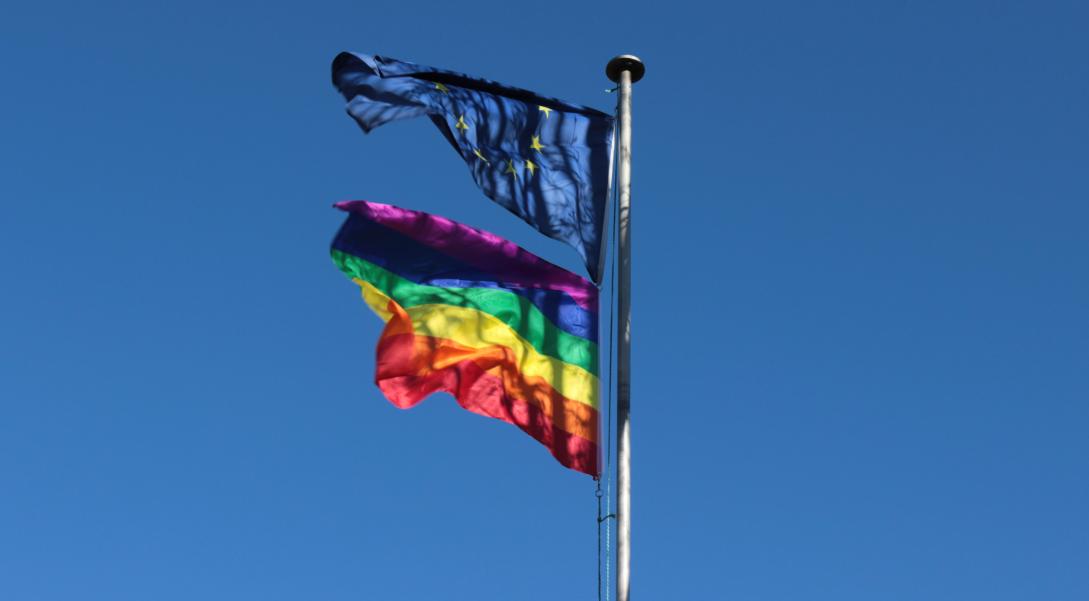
(508, 334)
(545, 160)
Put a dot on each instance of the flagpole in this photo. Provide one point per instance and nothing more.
(624, 70)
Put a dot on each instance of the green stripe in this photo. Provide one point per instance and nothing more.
(514, 310)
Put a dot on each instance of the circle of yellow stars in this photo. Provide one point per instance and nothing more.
(535, 141)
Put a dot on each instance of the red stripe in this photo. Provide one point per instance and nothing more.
(411, 367)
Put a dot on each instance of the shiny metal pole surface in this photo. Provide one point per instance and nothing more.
(624, 70)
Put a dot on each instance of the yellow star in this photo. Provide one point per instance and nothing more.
(461, 124)
(442, 88)
(476, 151)
(536, 144)
(511, 169)
(547, 111)
(532, 168)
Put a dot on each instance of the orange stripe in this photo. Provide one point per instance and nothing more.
(413, 355)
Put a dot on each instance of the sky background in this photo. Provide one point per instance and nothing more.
(861, 281)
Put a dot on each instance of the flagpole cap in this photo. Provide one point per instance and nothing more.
(625, 62)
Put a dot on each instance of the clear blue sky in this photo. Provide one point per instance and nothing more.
(861, 289)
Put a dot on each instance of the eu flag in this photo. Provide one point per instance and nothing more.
(545, 160)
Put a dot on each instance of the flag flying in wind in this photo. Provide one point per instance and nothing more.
(545, 160)
(508, 334)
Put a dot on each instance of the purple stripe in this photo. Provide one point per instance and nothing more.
(502, 258)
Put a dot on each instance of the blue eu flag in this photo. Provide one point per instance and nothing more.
(543, 159)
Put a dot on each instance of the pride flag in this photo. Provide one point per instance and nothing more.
(508, 334)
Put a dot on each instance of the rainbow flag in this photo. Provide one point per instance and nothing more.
(508, 334)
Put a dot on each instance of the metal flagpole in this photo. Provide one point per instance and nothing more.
(624, 70)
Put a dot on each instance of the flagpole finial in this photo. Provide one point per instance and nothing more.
(625, 62)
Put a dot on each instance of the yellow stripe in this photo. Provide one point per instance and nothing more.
(476, 329)
(378, 302)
